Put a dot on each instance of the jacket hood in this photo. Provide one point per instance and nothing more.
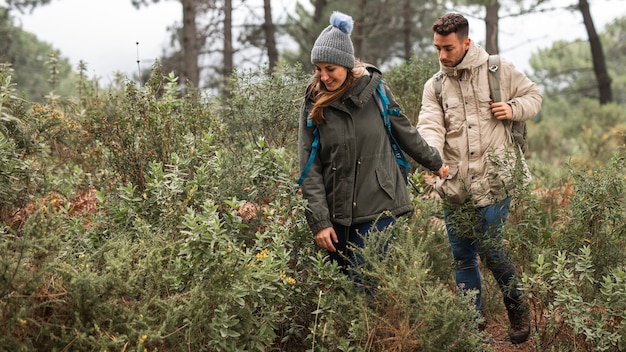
(475, 57)
(365, 86)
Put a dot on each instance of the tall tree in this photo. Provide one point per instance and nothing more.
(407, 29)
(228, 42)
(189, 71)
(565, 68)
(491, 26)
(599, 62)
(270, 36)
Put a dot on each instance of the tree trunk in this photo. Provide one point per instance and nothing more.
(597, 55)
(318, 11)
(270, 40)
(359, 31)
(191, 71)
(491, 23)
(228, 44)
(408, 30)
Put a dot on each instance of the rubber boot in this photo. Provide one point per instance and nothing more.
(519, 317)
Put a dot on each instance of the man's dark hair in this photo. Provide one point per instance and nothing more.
(452, 23)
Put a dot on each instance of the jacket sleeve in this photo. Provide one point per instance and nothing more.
(313, 190)
(523, 94)
(410, 140)
(431, 122)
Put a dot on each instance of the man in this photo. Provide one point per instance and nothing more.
(473, 135)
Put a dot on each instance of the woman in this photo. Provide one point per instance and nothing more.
(353, 185)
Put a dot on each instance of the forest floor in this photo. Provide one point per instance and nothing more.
(498, 331)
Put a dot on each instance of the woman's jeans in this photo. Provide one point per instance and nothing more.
(479, 232)
(352, 240)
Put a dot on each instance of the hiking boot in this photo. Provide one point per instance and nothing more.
(482, 323)
(519, 316)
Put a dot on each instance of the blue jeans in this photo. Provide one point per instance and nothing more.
(479, 233)
(350, 260)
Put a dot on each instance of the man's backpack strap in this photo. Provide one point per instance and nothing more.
(494, 80)
(437, 82)
(518, 128)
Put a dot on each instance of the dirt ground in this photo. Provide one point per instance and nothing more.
(499, 339)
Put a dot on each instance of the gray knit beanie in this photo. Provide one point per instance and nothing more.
(333, 45)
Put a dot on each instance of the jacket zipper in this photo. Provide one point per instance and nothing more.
(356, 177)
(334, 169)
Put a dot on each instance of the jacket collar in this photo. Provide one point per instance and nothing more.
(365, 86)
(475, 57)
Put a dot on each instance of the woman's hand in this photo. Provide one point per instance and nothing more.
(443, 171)
(325, 239)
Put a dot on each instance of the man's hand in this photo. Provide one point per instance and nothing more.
(325, 239)
(502, 111)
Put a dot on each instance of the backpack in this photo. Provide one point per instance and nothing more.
(518, 128)
(383, 105)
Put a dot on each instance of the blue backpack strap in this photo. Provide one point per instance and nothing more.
(385, 112)
(314, 146)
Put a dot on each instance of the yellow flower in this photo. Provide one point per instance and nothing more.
(262, 255)
(142, 339)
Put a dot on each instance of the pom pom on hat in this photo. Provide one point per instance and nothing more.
(342, 21)
(334, 45)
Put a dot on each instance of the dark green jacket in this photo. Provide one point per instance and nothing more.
(354, 177)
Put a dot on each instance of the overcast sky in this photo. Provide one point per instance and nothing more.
(104, 33)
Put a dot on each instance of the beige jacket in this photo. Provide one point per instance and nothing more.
(476, 146)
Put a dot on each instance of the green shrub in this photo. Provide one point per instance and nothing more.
(165, 221)
(406, 81)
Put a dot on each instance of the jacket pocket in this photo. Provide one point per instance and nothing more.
(453, 113)
(453, 188)
(385, 182)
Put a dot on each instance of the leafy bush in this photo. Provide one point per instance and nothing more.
(576, 281)
(406, 81)
(155, 219)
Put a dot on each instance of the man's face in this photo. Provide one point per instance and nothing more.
(450, 48)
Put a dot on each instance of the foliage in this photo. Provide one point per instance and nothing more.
(18, 174)
(406, 81)
(413, 309)
(576, 281)
(587, 133)
(32, 60)
(260, 112)
(152, 218)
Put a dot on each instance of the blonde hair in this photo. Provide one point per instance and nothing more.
(323, 98)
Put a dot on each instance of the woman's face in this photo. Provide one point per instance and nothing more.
(331, 75)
